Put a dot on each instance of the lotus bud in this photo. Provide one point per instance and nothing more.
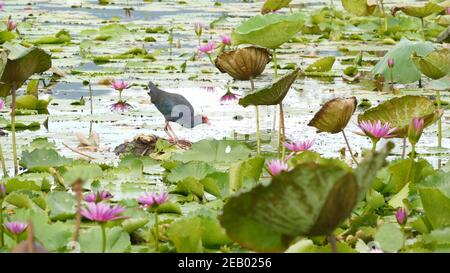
(390, 63)
(225, 39)
(402, 216)
(415, 130)
(10, 25)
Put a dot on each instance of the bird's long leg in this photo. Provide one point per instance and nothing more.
(175, 138)
(169, 133)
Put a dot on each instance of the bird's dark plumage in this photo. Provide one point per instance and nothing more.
(174, 107)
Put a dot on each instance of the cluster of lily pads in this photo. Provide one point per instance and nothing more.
(232, 196)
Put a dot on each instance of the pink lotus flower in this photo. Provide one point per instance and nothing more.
(376, 130)
(401, 216)
(299, 146)
(101, 212)
(119, 85)
(390, 63)
(2, 104)
(225, 39)
(198, 28)
(96, 197)
(10, 25)
(228, 97)
(153, 199)
(16, 228)
(121, 106)
(1, 5)
(207, 48)
(415, 130)
(277, 166)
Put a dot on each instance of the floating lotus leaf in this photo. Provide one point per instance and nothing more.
(419, 11)
(21, 63)
(435, 65)
(244, 63)
(270, 31)
(359, 7)
(404, 70)
(334, 115)
(311, 200)
(272, 94)
(274, 5)
(322, 65)
(400, 111)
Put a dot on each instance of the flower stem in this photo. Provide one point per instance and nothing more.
(282, 132)
(211, 60)
(258, 136)
(332, 241)
(2, 241)
(374, 146)
(13, 128)
(198, 38)
(384, 15)
(92, 108)
(156, 232)
(349, 148)
(391, 75)
(413, 151)
(120, 95)
(103, 237)
(438, 98)
(404, 148)
(2, 159)
(275, 65)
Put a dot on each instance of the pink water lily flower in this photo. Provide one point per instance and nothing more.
(10, 24)
(17, 227)
(120, 106)
(376, 130)
(229, 96)
(95, 197)
(277, 166)
(153, 199)
(299, 146)
(207, 48)
(225, 39)
(119, 85)
(401, 216)
(390, 63)
(415, 129)
(101, 212)
(1, 5)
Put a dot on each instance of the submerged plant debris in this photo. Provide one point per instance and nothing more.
(125, 126)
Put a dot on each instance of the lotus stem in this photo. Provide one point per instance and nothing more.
(275, 109)
(391, 75)
(92, 108)
(2, 159)
(413, 151)
(332, 241)
(374, 146)
(282, 132)
(77, 188)
(211, 60)
(13, 128)
(156, 232)
(275, 64)
(103, 227)
(404, 148)
(384, 14)
(2, 238)
(438, 99)
(199, 42)
(258, 136)
(349, 148)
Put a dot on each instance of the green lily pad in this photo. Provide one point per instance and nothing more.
(117, 240)
(399, 112)
(322, 65)
(20, 64)
(30, 102)
(404, 70)
(42, 159)
(312, 199)
(435, 195)
(334, 115)
(218, 151)
(390, 238)
(272, 94)
(359, 7)
(63, 36)
(421, 11)
(62, 205)
(270, 31)
(274, 5)
(435, 65)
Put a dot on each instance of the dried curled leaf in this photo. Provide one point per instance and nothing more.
(334, 115)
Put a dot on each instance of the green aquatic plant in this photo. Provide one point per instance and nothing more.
(17, 65)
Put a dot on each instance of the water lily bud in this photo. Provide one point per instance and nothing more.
(198, 29)
(415, 130)
(10, 24)
(390, 62)
(402, 216)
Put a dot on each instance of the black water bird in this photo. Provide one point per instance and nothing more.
(175, 108)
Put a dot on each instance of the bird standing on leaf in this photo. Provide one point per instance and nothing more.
(175, 108)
